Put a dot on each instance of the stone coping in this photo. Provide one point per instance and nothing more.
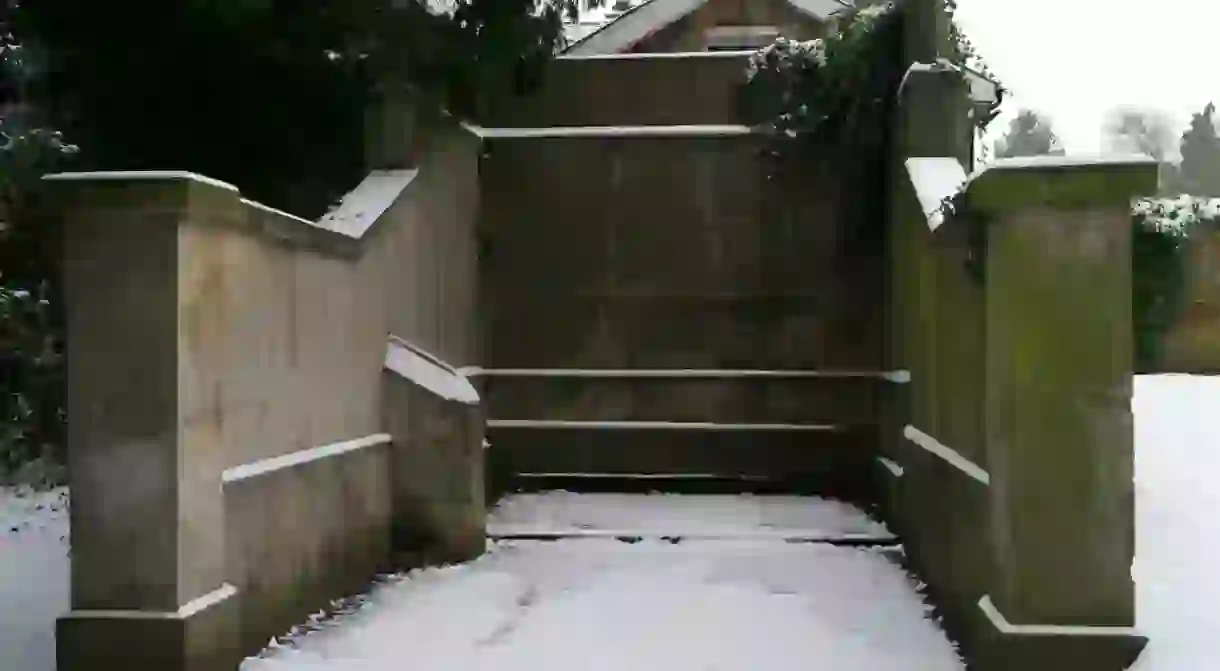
(341, 231)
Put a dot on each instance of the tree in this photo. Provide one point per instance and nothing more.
(1148, 132)
(1201, 154)
(270, 94)
(1029, 134)
(267, 94)
(32, 421)
(1141, 131)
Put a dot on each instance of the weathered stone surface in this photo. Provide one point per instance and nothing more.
(849, 400)
(607, 92)
(793, 455)
(1059, 372)
(299, 537)
(205, 641)
(1023, 369)
(203, 344)
(669, 261)
(437, 466)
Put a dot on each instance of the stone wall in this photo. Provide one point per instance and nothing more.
(622, 251)
(246, 444)
(682, 89)
(1009, 453)
(670, 250)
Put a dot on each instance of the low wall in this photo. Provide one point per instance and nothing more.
(246, 445)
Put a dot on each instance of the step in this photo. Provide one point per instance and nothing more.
(632, 90)
(723, 396)
(561, 515)
(648, 483)
(678, 536)
(830, 460)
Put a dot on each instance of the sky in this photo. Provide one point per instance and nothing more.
(1075, 60)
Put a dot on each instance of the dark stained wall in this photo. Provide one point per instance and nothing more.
(648, 252)
(579, 91)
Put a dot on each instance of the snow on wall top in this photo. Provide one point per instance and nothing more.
(1079, 161)
(428, 372)
(935, 179)
(367, 202)
(138, 175)
(357, 212)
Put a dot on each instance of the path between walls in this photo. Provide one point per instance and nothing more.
(696, 605)
(738, 602)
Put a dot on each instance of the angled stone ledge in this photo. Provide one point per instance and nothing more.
(438, 490)
(1061, 183)
(341, 232)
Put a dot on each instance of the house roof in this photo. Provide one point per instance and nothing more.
(652, 15)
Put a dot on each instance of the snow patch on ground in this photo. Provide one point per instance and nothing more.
(34, 574)
(1177, 431)
(650, 605)
(690, 514)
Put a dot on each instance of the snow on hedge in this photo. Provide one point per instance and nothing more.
(1178, 214)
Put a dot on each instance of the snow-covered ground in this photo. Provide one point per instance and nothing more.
(33, 576)
(746, 604)
(604, 604)
(1177, 547)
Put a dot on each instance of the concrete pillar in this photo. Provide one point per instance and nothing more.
(148, 543)
(934, 106)
(1059, 441)
(926, 31)
(933, 116)
(927, 120)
